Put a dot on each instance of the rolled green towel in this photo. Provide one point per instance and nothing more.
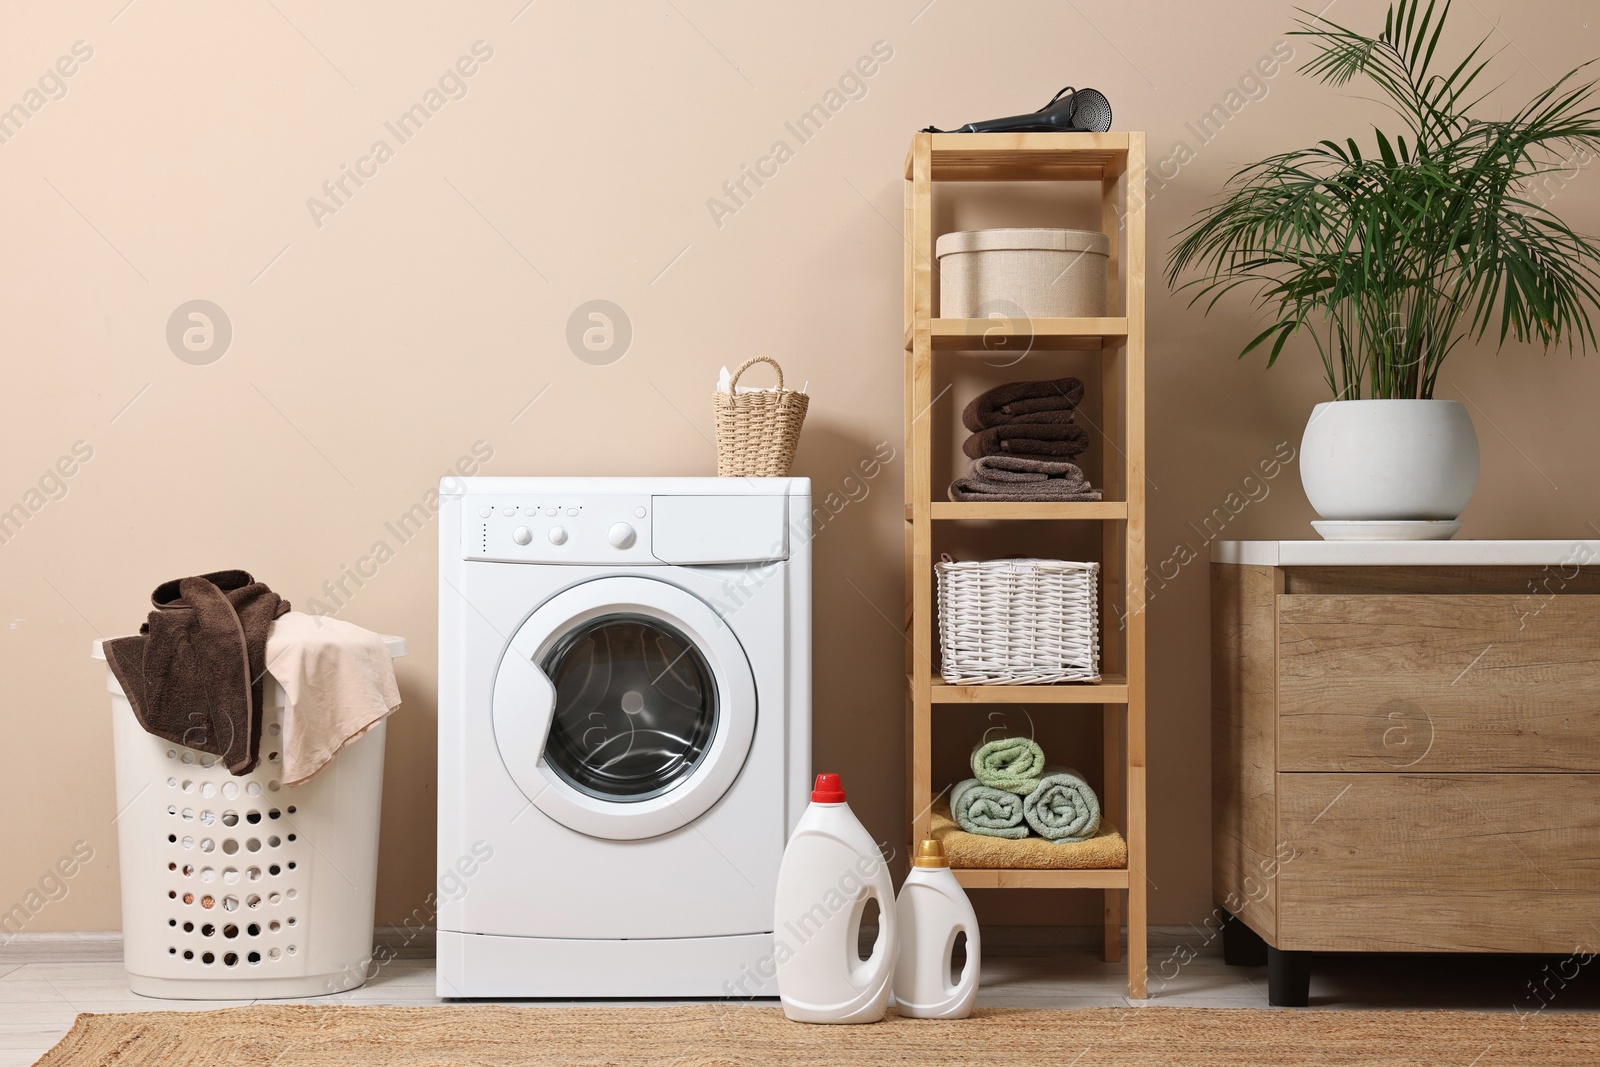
(979, 809)
(1063, 808)
(1011, 763)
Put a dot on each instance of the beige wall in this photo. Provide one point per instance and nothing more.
(372, 350)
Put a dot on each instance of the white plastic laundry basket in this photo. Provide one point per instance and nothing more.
(241, 888)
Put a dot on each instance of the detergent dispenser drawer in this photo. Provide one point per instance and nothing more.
(689, 530)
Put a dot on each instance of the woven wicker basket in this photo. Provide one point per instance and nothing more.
(757, 432)
(1019, 621)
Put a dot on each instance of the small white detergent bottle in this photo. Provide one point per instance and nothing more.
(933, 910)
(831, 869)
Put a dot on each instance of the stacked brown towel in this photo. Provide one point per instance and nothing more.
(1024, 437)
(1036, 440)
(1021, 478)
(1049, 401)
(194, 674)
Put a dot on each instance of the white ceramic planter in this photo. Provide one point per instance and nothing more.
(1407, 460)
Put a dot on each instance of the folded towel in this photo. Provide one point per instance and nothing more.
(1105, 850)
(194, 674)
(1011, 763)
(1014, 401)
(1021, 478)
(1039, 440)
(1034, 417)
(1062, 807)
(990, 812)
(338, 683)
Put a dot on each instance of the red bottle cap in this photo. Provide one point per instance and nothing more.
(828, 790)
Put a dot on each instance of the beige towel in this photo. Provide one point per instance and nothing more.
(338, 682)
(1105, 849)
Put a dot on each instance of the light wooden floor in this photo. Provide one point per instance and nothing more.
(39, 1000)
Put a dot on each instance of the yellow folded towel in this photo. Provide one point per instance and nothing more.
(1106, 849)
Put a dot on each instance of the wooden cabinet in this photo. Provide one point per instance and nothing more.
(1408, 862)
(1406, 757)
(1437, 683)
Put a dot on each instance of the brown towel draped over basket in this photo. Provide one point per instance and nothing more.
(194, 674)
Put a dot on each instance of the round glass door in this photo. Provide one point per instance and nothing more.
(624, 707)
(636, 707)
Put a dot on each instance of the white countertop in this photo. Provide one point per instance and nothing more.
(1456, 553)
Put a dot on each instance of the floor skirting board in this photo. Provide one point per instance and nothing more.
(417, 942)
(97, 946)
(404, 942)
(87, 946)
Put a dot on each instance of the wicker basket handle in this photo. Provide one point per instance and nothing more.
(733, 382)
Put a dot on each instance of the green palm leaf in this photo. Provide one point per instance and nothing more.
(1388, 260)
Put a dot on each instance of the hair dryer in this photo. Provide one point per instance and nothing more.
(1069, 111)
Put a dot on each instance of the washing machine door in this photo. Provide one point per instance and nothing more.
(624, 708)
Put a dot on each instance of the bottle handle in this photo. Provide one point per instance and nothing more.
(878, 966)
(969, 969)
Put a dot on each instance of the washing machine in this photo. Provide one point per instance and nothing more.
(624, 732)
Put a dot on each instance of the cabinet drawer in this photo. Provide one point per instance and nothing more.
(1438, 683)
(1424, 863)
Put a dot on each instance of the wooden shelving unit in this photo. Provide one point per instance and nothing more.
(1115, 161)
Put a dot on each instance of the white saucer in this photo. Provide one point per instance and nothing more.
(1387, 529)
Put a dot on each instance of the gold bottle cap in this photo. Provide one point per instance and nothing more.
(930, 854)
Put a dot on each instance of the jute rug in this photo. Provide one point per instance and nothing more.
(481, 1036)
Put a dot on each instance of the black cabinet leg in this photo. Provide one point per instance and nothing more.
(1288, 978)
(1242, 946)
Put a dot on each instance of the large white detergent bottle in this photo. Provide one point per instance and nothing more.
(831, 869)
(933, 910)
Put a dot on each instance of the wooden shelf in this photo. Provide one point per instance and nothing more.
(985, 511)
(1022, 157)
(1005, 337)
(1116, 162)
(975, 878)
(1001, 336)
(1111, 689)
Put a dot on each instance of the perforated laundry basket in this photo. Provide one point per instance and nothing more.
(241, 888)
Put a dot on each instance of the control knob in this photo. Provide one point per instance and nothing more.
(620, 535)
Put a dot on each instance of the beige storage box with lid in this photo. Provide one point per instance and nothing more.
(1033, 272)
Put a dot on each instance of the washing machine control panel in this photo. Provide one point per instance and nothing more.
(585, 530)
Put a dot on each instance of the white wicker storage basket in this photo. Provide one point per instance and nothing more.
(1019, 621)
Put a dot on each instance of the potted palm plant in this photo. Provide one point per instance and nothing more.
(1389, 258)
